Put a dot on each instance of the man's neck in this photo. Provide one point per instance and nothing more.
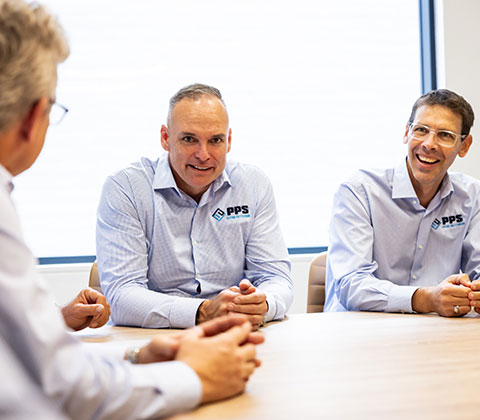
(425, 194)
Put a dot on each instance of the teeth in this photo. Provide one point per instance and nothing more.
(199, 168)
(426, 159)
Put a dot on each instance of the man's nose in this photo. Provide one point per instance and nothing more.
(430, 140)
(202, 153)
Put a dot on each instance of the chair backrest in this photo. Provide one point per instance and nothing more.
(316, 283)
(94, 281)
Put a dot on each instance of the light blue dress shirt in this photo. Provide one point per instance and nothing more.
(74, 379)
(384, 244)
(160, 253)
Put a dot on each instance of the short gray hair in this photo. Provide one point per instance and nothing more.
(193, 92)
(32, 44)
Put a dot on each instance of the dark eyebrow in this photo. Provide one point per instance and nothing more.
(219, 135)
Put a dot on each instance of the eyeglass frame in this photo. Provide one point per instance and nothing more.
(53, 102)
(435, 132)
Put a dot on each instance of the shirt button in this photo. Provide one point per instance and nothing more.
(197, 276)
(420, 246)
(194, 243)
(414, 277)
(414, 201)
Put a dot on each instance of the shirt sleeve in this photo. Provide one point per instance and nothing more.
(123, 265)
(267, 263)
(470, 250)
(350, 263)
(84, 384)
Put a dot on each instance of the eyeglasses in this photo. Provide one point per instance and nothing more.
(57, 112)
(444, 137)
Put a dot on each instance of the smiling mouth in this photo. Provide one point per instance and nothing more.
(200, 168)
(427, 160)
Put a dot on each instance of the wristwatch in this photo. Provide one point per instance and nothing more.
(131, 354)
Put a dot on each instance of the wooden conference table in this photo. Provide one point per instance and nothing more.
(353, 365)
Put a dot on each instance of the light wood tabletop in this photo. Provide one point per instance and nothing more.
(353, 365)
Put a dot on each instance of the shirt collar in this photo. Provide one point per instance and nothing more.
(6, 179)
(164, 179)
(402, 184)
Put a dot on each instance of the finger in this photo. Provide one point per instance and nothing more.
(459, 301)
(254, 298)
(475, 285)
(82, 310)
(238, 334)
(247, 353)
(248, 369)
(193, 333)
(93, 296)
(464, 280)
(246, 287)
(459, 291)
(227, 295)
(462, 310)
(222, 324)
(257, 338)
(477, 310)
(256, 321)
(475, 303)
(253, 309)
(235, 289)
(103, 314)
(474, 295)
(165, 346)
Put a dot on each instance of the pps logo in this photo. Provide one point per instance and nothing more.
(218, 214)
(448, 222)
(234, 212)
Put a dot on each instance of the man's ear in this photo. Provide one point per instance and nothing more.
(229, 146)
(405, 136)
(164, 138)
(33, 117)
(466, 143)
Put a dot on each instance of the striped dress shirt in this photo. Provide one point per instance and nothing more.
(160, 253)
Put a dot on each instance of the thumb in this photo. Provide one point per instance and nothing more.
(246, 287)
(88, 310)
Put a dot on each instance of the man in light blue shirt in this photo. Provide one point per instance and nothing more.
(45, 371)
(408, 239)
(190, 237)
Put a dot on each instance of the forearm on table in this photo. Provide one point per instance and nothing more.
(138, 306)
(365, 292)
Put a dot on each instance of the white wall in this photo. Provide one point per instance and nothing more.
(66, 280)
(458, 69)
(458, 62)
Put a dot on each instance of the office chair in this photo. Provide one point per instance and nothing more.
(316, 283)
(94, 281)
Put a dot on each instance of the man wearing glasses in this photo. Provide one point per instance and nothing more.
(40, 362)
(406, 239)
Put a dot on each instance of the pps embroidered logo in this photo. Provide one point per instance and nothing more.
(218, 214)
(233, 212)
(448, 222)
